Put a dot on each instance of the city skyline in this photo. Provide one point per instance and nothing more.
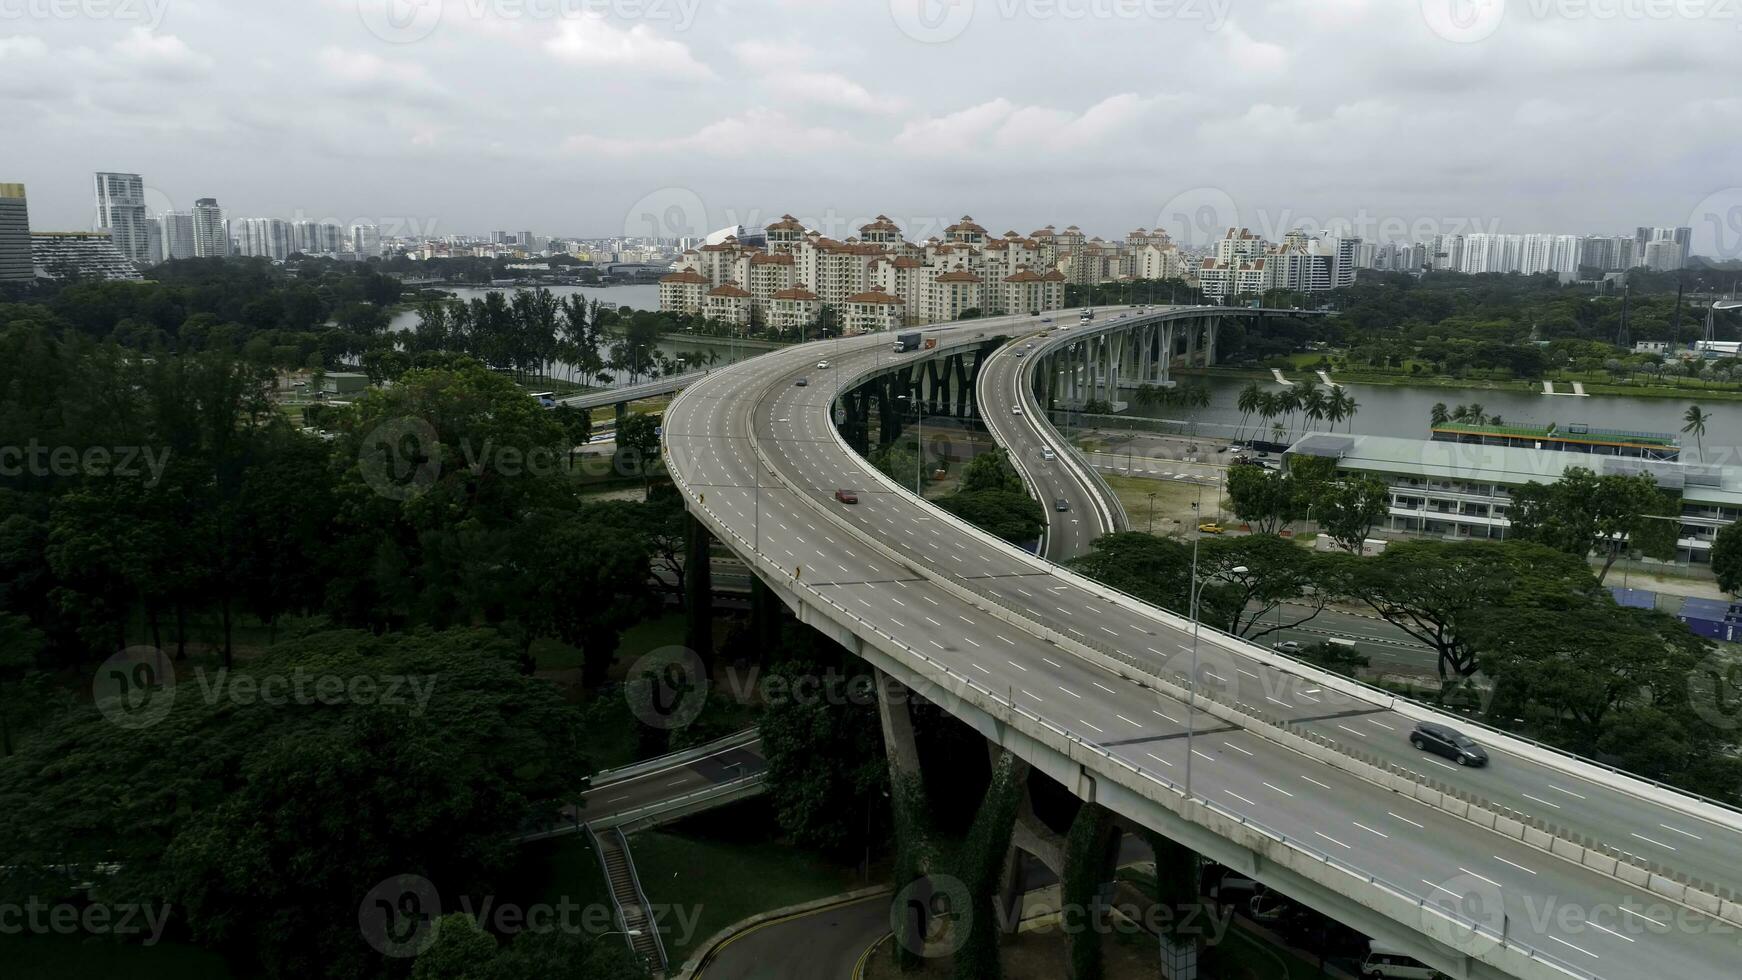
(1263, 111)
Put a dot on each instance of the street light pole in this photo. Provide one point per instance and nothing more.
(1197, 591)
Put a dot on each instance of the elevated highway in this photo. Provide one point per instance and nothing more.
(1528, 869)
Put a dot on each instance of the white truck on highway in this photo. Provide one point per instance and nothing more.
(913, 341)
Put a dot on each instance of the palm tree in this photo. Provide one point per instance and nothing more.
(1696, 423)
(1439, 415)
(1251, 397)
(1350, 407)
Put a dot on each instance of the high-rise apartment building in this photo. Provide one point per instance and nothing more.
(264, 238)
(211, 237)
(1667, 257)
(15, 262)
(177, 228)
(366, 240)
(121, 213)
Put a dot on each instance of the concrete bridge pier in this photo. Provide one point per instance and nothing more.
(698, 582)
(1212, 327)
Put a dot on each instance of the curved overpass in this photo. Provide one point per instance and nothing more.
(1299, 778)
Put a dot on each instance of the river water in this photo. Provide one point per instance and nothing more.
(1394, 410)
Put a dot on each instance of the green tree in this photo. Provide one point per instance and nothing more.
(1278, 573)
(1727, 558)
(991, 471)
(1349, 509)
(1015, 517)
(1569, 667)
(1437, 591)
(827, 775)
(264, 814)
(1264, 498)
(1156, 570)
(1695, 423)
(1583, 513)
(638, 446)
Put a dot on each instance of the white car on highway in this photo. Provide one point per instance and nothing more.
(1048, 454)
(822, 365)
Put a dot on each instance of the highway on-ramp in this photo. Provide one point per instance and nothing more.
(759, 454)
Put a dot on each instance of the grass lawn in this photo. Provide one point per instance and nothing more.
(726, 870)
(1173, 502)
(70, 958)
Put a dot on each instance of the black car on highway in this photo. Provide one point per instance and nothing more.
(1449, 742)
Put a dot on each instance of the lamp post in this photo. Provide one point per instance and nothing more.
(1197, 590)
(1152, 513)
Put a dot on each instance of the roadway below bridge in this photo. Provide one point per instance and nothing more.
(1063, 666)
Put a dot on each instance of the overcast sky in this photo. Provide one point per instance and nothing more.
(589, 117)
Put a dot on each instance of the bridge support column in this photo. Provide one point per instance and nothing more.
(1214, 326)
(893, 704)
(765, 611)
(1164, 373)
(1192, 328)
(698, 583)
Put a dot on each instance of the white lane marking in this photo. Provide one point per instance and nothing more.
(1159, 759)
(972, 643)
(1389, 728)
(1544, 802)
(1334, 841)
(1568, 945)
(1091, 724)
(1272, 700)
(1681, 832)
(1239, 749)
(1514, 864)
(1248, 673)
(1207, 758)
(1059, 666)
(1315, 782)
(1478, 877)
(1406, 820)
(933, 621)
(1608, 930)
(1017, 666)
(1569, 792)
(1442, 888)
(1104, 687)
(1237, 796)
(1072, 693)
(935, 643)
(1370, 830)
(1033, 695)
(1442, 765)
(1657, 842)
(979, 668)
(931, 600)
(1352, 731)
(1279, 789)
(1165, 715)
(1128, 721)
(1642, 915)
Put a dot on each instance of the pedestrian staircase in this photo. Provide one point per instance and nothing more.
(634, 915)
